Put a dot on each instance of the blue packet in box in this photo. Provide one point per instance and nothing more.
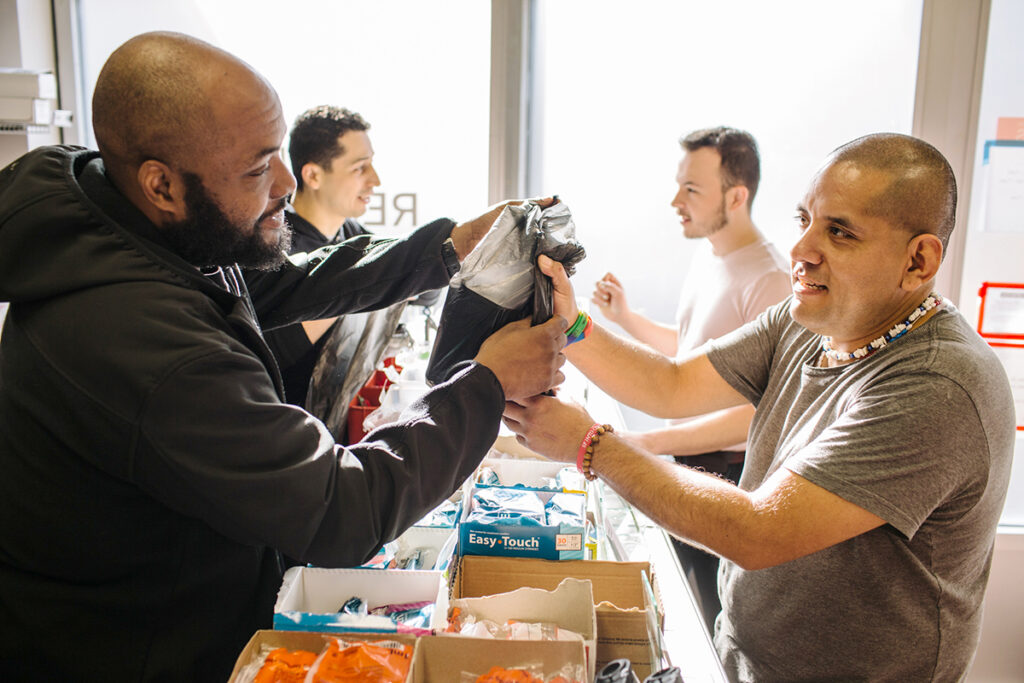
(507, 506)
(566, 508)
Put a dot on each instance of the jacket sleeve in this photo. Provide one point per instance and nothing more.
(266, 473)
(364, 273)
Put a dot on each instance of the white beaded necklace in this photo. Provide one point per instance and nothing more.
(896, 332)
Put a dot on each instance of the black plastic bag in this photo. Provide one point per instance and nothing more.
(500, 282)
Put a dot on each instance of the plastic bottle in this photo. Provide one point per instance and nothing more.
(617, 671)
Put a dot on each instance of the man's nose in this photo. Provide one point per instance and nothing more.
(806, 249)
(284, 181)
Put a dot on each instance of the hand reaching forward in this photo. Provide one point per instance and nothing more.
(526, 360)
(548, 425)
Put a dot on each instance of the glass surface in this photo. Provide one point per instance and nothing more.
(418, 72)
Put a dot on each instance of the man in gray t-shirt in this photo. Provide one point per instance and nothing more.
(857, 545)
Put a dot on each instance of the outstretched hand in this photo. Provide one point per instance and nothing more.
(526, 360)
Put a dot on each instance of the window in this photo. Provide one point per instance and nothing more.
(422, 83)
(616, 85)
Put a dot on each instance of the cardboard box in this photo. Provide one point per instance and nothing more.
(440, 659)
(310, 597)
(435, 544)
(627, 625)
(302, 640)
(570, 606)
(550, 542)
(533, 475)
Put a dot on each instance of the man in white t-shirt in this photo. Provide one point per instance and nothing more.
(734, 275)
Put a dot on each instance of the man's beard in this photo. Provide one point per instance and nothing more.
(208, 237)
(720, 220)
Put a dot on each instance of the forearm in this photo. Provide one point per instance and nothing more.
(361, 274)
(663, 338)
(705, 434)
(698, 507)
(668, 388)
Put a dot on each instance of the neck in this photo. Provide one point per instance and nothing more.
(737, 233)
(323, 220)
(912, 316)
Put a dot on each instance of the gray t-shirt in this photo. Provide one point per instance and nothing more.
(919, 433)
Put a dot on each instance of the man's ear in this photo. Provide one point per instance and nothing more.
(736, 197)
(924, 256)
(162, 188)
(312, 174)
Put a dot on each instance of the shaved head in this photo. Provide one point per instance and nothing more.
(155, 98)
(191, 135)
(920, 194)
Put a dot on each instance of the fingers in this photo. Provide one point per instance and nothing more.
(545, 202)
(565, 299)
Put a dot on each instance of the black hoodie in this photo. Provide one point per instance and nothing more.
(149, 471)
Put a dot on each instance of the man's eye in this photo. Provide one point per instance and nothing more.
(260, 171)
(801, 220)
(838, 232)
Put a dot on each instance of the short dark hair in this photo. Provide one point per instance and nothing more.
(741, 163)
(314, 137)
(921, 194)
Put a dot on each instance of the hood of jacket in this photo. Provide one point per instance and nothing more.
(64, 227)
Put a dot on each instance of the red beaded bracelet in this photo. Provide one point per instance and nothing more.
(585, 455)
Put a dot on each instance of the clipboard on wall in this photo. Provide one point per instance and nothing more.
(1001, 324)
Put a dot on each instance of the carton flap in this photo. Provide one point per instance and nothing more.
(570, 606)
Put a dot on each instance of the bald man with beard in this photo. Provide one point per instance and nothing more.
(152, 474)
(858, 542)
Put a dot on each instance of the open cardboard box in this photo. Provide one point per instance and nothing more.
(310, 597)
(627, 625)
(265, 640)
(534, 475)
(441, 659)
(569, 606)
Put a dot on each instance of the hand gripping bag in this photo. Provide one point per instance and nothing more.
(500, 282)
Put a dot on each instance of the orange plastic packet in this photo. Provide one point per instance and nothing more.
(378, 662)
(282, 666)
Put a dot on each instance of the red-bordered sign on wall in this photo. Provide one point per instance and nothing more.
(1001, 324)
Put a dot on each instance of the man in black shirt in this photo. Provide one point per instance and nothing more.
(332, 160)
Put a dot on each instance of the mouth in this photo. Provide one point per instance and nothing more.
(273, 219)
(803, 285)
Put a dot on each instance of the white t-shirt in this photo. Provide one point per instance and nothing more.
(722, 293)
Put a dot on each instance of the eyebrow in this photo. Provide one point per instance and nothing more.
(268, 151)
(838, 220)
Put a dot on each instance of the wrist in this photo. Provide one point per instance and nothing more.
(579, 329)
(585, 454)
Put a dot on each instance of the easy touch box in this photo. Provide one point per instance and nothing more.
(310, 597)
(549, 542)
